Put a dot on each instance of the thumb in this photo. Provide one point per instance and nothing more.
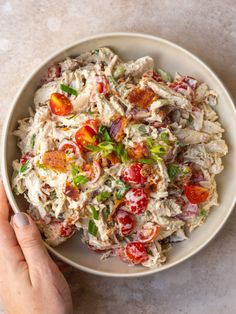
(30, 241)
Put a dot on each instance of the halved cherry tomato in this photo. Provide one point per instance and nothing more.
(137, 200)
(136, 252)
(71, 191)
(93, 171)
(69, 147)
(86, 136)
(93, 123)
(147, 235)
(142, 97)
(196, 194)
(60, 104)
(126, 222)
(132, 174)
(66, 231)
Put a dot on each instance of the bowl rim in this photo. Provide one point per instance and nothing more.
(5, 126)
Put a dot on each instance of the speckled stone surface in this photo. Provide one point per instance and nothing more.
(30, 30)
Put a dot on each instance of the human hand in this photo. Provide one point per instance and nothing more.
(30, 282)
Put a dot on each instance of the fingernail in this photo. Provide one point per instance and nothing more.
(21, 220)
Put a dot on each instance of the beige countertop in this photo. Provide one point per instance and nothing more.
(31, 30)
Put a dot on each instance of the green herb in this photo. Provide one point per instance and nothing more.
(53, 195)
(32, 141)
(203, 213)
(95, 212)
(173, 171)
(120, 70)
(104, 147)
(77, 179)
(122, 190)
(150, 252)
(146, 161)
(68, 90)
(95, 52)
(103, 196)
(121, 152)
(166, 77)
(103, 134)
(24, 167)
(106, 212)
(72, 117)
(142, 129)
(92, 228)
(164, 137)
(149, 142)
(15, 190)
(41, 166)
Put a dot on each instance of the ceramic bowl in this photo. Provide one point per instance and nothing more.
(173, 59)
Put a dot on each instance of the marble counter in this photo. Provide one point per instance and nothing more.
(30, 30)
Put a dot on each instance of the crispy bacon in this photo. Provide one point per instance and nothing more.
(55, 160)
(142, 97)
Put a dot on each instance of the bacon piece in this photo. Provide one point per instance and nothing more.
(55, 160)
(142, 97)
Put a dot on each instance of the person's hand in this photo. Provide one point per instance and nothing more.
(30, 282)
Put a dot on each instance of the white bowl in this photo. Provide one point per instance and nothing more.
(171, 58)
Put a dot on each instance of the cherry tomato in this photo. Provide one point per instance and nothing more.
(132, 174)
(60, 104)
(86, 136)
(196, 194)
(24, 158)
(69, 147)
(93, 171)
(136, 252)
(66, 231)
(137, 200)
(126, 222)
(93, 123)
(72, 191)
(147, 235)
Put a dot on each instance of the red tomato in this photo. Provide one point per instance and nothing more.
(126, 222)
(196, 194)
(132, 174)
(86, 136)
(66, 231)
(69, 147)
(93, 171)
(93, 123)
(60, 104)
(137, 200)
(24, 158)
(136, 252)
(147, 235)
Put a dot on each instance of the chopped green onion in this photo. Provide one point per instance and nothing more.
(24, 167)
(53, 195)
(146, 161)
(68, 90)
(106, 212)
(95, 212)
(120, 70)
(72, 117)
(142, 129)
(93, 148)
(15, 190)
(111, 81)
(166, 77)
(149, 142)
(103, 196)
(95, 52)
(80, 180)
(164, 136)
(122, 190)
(92, 228)
(173, 171)
(158, 150)
(203, 213)
(41, 166)
(32, 141)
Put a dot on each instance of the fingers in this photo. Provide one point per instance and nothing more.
(30, 241)
(11, 254)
